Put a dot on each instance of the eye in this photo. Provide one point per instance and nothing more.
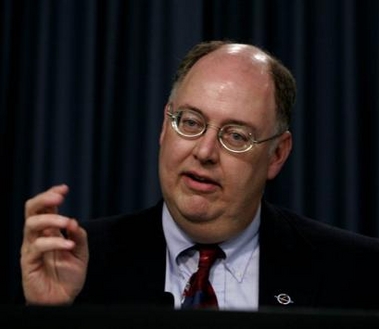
(190, 122)
(236, 136)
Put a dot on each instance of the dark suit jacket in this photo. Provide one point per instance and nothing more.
(314, 264)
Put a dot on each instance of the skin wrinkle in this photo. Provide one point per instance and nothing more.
(231, 83)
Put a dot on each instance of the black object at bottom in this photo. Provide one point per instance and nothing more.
(150, 317)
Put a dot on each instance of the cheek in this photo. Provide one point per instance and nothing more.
(242, 179)
(172, 156)
(173, 150)
(249, 177)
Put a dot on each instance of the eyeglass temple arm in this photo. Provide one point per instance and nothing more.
(269, 138)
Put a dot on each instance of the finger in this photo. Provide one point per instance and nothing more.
(45, 244)
(47, 201)
(31, 253)
(44, 225)
(77, 234)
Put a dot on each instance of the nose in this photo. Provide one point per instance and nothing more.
(207, 146)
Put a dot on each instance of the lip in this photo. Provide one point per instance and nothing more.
(200, 183)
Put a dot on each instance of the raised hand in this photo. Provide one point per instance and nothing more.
(54, 251)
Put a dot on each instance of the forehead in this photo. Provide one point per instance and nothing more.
(229, 80)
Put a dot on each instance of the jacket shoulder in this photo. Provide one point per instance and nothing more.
(315, 232)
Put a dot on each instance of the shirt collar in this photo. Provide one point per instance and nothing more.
(238, 250)
(177, 239)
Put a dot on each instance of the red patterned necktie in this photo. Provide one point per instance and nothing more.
(199, 292)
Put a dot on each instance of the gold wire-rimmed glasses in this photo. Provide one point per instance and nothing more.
(235, 138)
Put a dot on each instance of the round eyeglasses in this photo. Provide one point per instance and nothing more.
(235, 138)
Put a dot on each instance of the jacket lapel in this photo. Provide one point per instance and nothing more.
(153, 269)
(287, 274)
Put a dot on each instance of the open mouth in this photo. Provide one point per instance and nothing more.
(203, 181)
(200, 179)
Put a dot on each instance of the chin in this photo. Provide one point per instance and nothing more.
(203, 233)
(196, 213)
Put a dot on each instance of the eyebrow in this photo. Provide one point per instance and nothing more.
(232, 121)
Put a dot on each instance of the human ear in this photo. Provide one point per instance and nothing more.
(280, 155)
(164, 125)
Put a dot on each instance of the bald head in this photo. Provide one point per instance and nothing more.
(253, 54)
(247, 59)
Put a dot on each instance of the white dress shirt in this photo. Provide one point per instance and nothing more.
(234, 279)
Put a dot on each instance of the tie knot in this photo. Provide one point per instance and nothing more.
(208, 253)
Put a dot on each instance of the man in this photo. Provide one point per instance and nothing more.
(225, 134)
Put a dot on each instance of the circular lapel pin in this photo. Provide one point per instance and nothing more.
(284, 299)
